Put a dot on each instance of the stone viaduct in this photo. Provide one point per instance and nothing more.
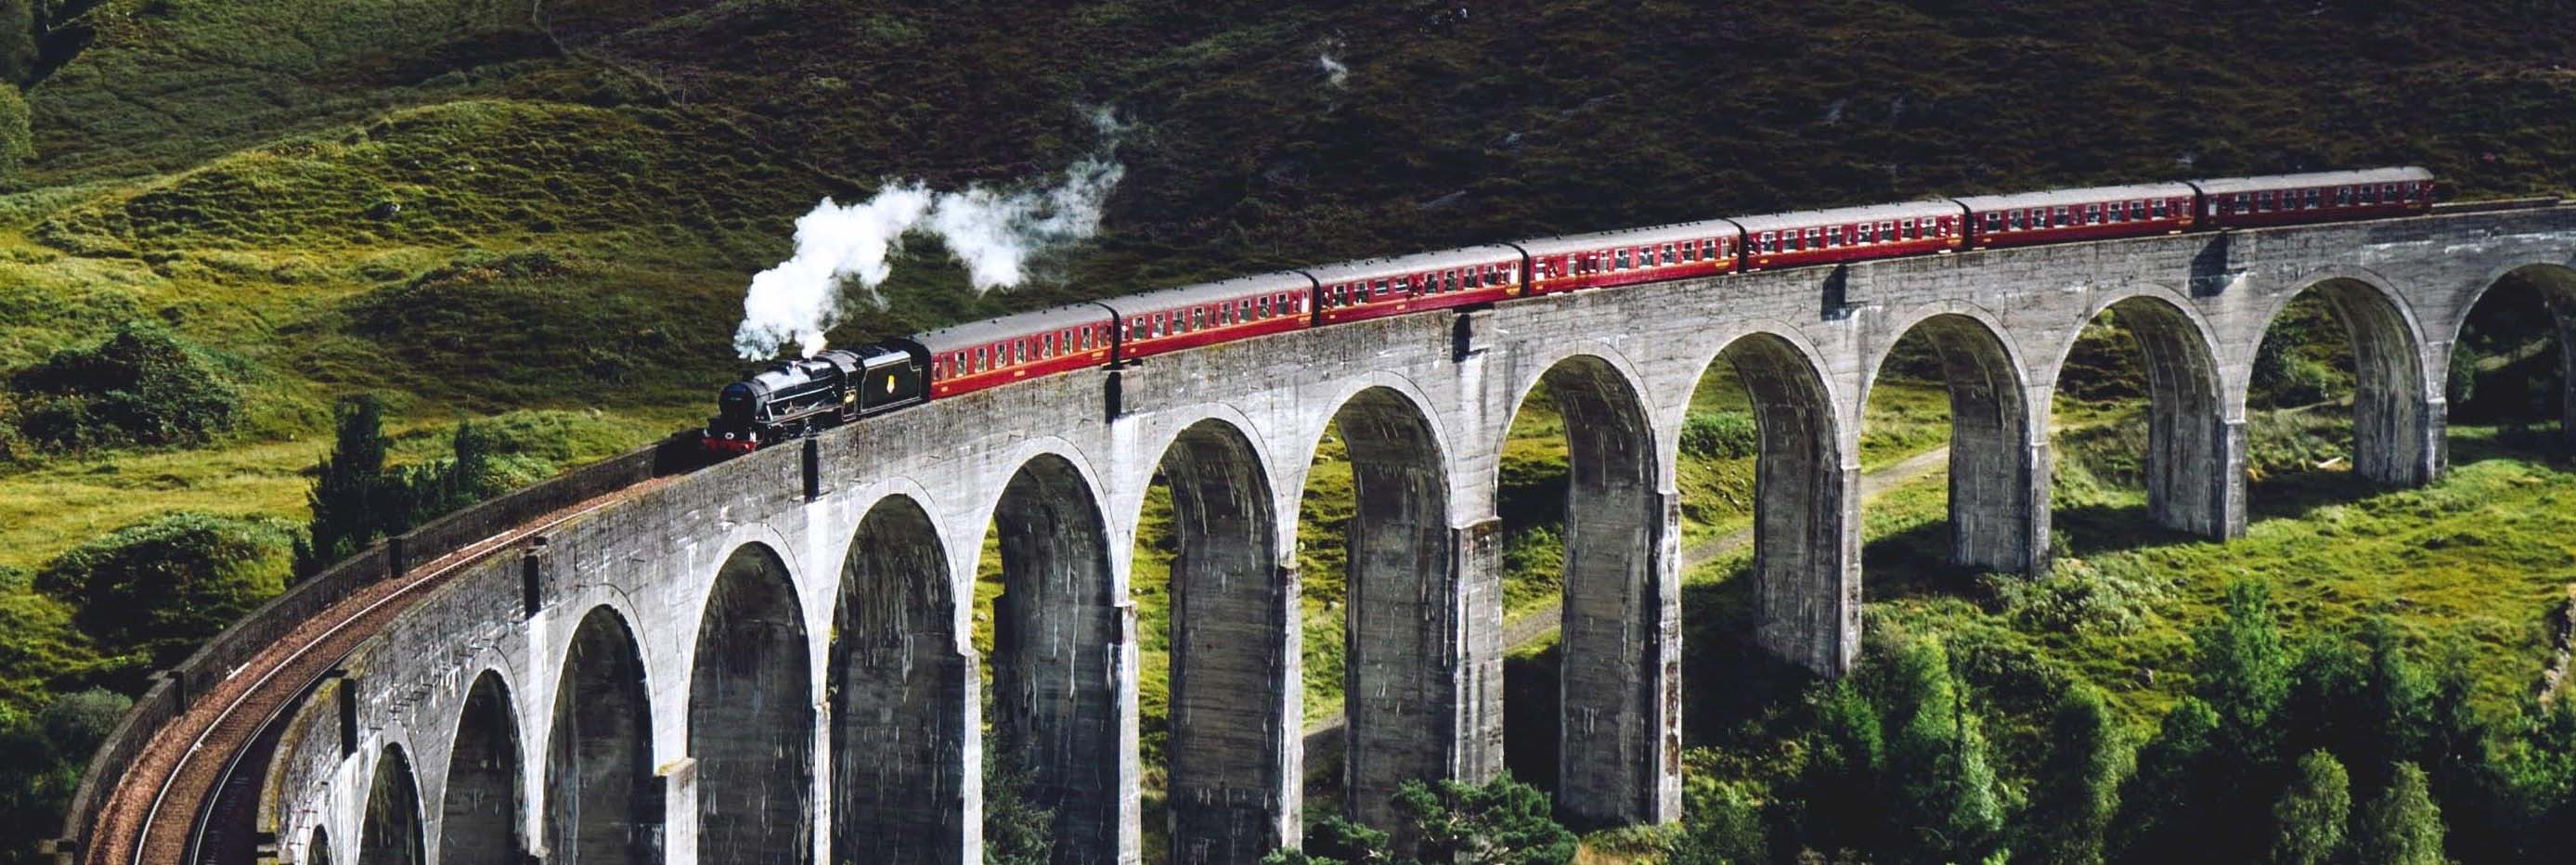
(769, 660)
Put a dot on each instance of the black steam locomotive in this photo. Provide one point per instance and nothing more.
(790, 398)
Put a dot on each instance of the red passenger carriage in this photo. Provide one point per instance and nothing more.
(1379, 287)
(998, 351)
(1177, 318)
(2065, 215)
(1608, 258)
(2328, 196)
(1810, 237)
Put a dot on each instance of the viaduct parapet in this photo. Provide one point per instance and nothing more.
(769, 660)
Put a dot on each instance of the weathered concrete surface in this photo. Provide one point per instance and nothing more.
(596, 750)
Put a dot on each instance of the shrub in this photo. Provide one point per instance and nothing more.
(17, 140)
(2402, 826)
(1721, 435)
(141, 386)
(1722, 826)
(2311, 814)
(160, 586)
(2077, 782)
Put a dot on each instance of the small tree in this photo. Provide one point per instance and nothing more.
(2310, 816)
(1016, 830)
(2162, 806)
(1721, 827)
(2078, 784)
(2245, 669)
(1943, 791)
(1840, 787)
(350, 494)
(2402, 826)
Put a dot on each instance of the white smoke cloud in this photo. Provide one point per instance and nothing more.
(1335, 73)
(993, 233)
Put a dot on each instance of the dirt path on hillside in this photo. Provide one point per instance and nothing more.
(1325, 734)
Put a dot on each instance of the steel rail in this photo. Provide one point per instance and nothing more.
(260, 691)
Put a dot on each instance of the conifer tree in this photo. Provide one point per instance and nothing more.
(349, 497)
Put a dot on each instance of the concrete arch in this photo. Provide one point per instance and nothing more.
(1400, 699)
(1805, 542)
(1234, 748)
(2556, 283)
(2396, 416)
(2195, 460)
(1059, 637)
(603, 802)
(391, 832)
(1998, 474)
(902, 698)
(480, 811)
(1622, 600)
(751, 715)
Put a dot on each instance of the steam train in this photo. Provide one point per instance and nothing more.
(790, 398)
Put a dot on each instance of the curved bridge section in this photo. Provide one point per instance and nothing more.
(769, 659)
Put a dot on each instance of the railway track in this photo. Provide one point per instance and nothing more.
(151, 816)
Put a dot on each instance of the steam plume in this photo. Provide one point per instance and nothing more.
(1335, 73)
(993, 232)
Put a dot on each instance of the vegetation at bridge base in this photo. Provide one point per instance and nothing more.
(1500, 822)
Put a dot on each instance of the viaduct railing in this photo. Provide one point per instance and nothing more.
(172, 689)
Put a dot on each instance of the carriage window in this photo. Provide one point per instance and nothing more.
(1770, 242)
(1668, 254)
(1381, 288)
(2157, 207)
(979, 360)
(1623, 259)
(1158, 325)
(1834, 236)
(2057, 217)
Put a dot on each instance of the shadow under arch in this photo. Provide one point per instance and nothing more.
(2555, 284)
(2194, 464)
(391, 832)
(751, 715)
(602, 802)
(902, 696)
(2396, 437)
(1233, 776)
(1620, 629)
(1400, 702)
(317, 849)
(1998, 476)
(479, 813)
(1805, 549)
(1059, 637)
